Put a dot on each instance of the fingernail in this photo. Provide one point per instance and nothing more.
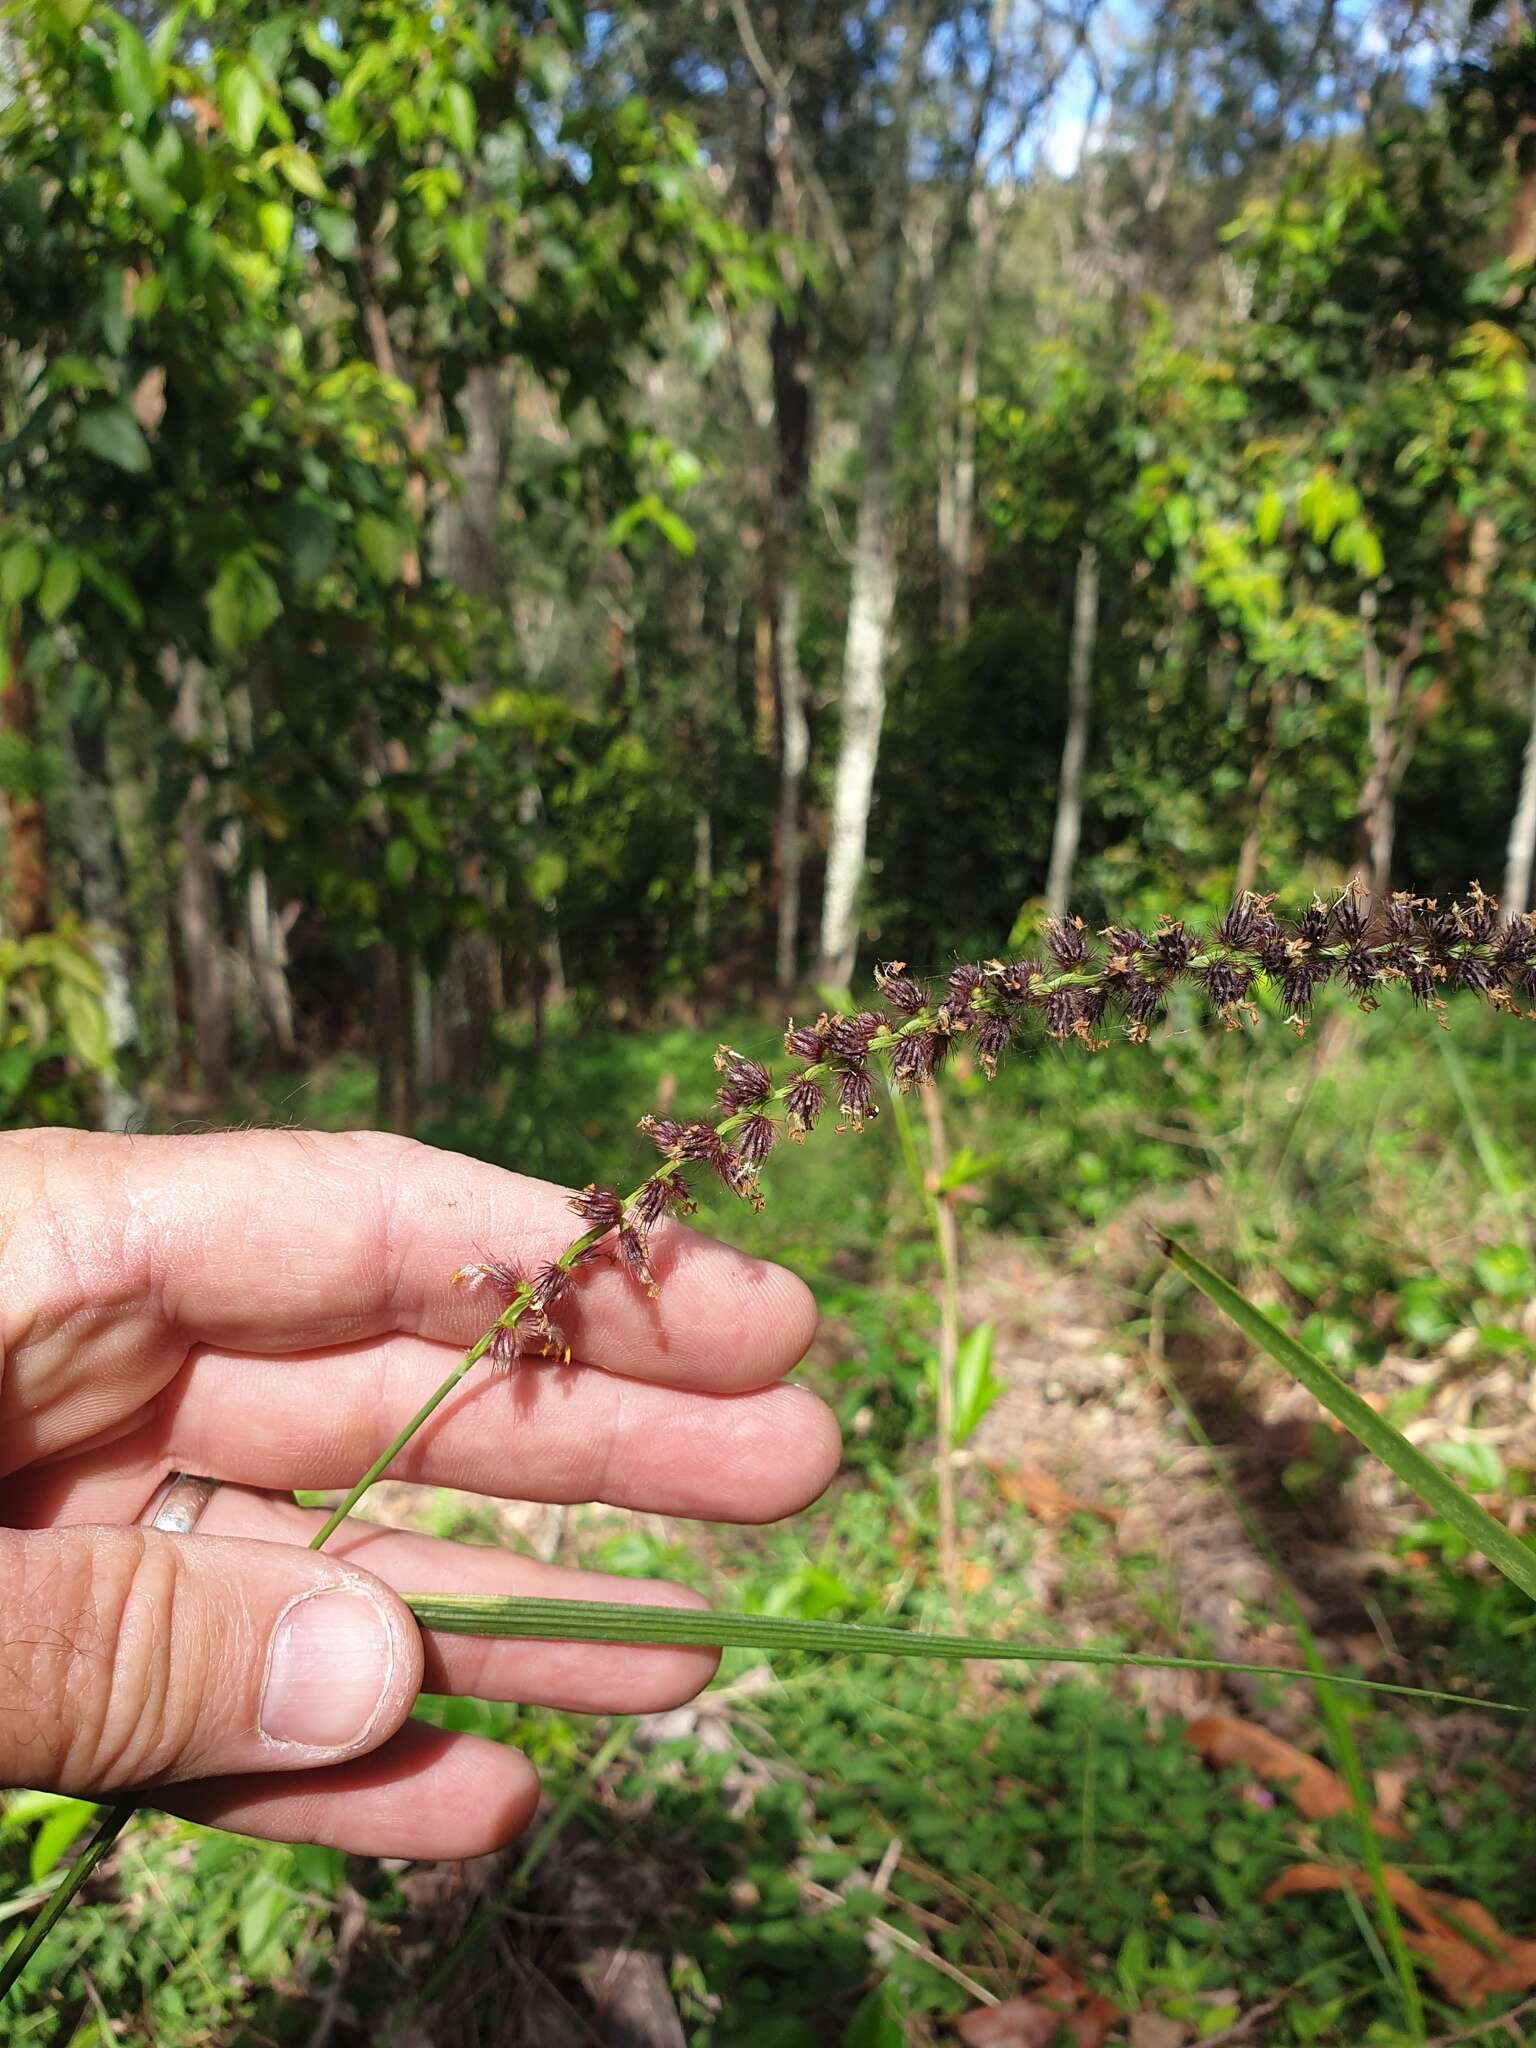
(329, 1671)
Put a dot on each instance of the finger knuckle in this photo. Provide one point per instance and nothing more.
(129, 1676)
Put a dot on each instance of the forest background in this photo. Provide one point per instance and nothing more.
(532, 539)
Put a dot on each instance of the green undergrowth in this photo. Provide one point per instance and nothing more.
(831, 1843)
(828, 1837)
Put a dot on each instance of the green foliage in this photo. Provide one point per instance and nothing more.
(54, 1038)
(250, 262)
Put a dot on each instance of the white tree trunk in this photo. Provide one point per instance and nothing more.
(1521, 855)
(872, 588)
(1074, 752)
(955, 565)
(269, 961)
(871, 599)
(794, 756)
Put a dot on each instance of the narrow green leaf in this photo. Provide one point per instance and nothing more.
(261, 1914)
(21, 570)
(156, 200)
(61, 580)
(114, 587)
(243, 602)
(85, 1027)
(603, 1621)
(382, 546)
(133, 74)
(336, 231)
(1434, 1486)
(68, 1819)
(244, 106)
(112, 434)
(459, 117)
(301, 171)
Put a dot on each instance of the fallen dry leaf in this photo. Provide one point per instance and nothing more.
(1313, 1788)
(1016, 2023)
(1469, 1955)
(1060, 2003)
(1151, 2030)
(1390, 1787)
(1032, 1488)
(1089, 2026)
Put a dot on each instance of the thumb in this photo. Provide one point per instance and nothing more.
(129, 1657)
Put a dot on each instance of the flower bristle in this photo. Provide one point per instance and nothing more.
(806, 1041)
(803, 1104)
(898, 988)
(599, 1207)
(745, 1083)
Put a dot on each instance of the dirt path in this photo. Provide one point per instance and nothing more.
(1086, 1407)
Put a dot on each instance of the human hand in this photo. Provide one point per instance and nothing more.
(267, 1309)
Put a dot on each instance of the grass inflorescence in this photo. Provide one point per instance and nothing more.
(1079, 990)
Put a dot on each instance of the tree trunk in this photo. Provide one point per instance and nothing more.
(960, 519)
(870, 604)
(268, 931)
(1074, 752)
(466, 997)
(1521, 855)
(792, 391)
(1394, 722)
(104, 900)
(703, 879)
(1256, 794)
(469, 524)
(141, 842)
(872, 589)
(197, 900)
(394, 1038)
(794, 756)
(25, 909)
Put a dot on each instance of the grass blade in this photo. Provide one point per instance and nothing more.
(602, 1621)
(108, 1828)
(1434, 1486)
(1490, 1158)
(1341, 1740)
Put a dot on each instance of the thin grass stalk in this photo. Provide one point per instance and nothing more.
(1489, 1156)
(1340, 1736)
(941, 1225)
(947, 1239)
(108, 1828)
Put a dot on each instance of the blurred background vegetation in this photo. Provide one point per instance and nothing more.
(534, 538)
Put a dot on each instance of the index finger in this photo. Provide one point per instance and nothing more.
(289, 1240)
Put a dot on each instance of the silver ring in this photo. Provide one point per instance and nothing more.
(179, 1505)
